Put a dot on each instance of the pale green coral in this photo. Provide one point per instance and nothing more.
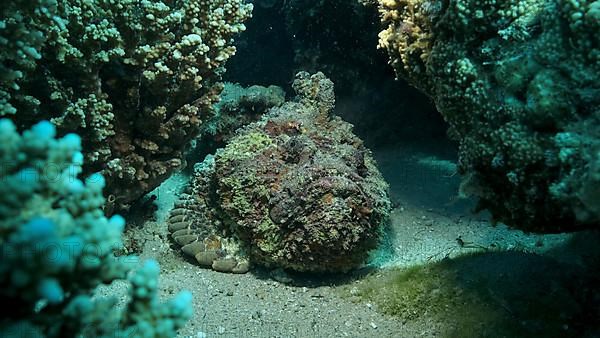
(134, 78)
(22, 36)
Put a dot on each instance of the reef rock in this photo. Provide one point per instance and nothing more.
(295, 190)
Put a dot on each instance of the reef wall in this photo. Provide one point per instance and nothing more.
(135, 79)
(518, 83)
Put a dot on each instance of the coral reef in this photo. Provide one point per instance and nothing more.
(518, 82)
(294, 190)
(57, 246)
(134, 78)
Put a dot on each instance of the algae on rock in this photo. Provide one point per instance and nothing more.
(488, 294)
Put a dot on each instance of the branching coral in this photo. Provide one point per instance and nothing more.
(134, 78)
(294, 190)
(57, 246)
(518, 82)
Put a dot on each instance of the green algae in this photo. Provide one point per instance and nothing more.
(485, 294)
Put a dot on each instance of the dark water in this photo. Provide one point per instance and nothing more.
(338, 38)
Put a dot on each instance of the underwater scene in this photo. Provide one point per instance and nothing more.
(299, 168)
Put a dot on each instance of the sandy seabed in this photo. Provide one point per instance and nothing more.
(425, 224)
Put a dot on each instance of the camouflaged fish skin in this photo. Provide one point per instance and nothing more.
(295, 190)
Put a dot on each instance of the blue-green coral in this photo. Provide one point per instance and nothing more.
(518, 82)
(134, 78)
(57, 246)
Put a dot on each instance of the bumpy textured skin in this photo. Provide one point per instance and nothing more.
(296, 189)
(57, 246)
(134, 78)
(196, 224)
(237, 107)
(519, 84)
